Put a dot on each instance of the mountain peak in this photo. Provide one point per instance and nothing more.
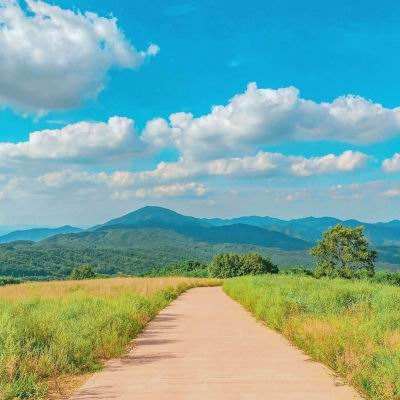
(151, 215)
(154, 210)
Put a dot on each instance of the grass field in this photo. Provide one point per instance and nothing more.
(354, 327)
(58, 330)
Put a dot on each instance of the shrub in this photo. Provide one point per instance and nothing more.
(389, 278)
(5, 280)
(228, 265)
(186, 268)
(83, 272)
(302, 271)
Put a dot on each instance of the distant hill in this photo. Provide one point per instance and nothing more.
(4, 229)
(37, 234)
(312, 228)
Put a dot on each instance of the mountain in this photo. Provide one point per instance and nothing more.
(37, 234)
(4, 229)
(125, 250)
(262, 222)
(152, 216)
(311, 228)
(201, 230)
(156, 237)
(141, 240)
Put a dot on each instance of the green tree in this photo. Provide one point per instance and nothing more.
(254, 264)
(225, 265)
(83, 272)
(344, 252)
(228, 265)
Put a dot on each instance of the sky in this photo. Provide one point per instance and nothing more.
(278, 108)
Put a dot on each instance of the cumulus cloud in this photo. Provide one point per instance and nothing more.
(53, 58)
(173, 175)
(83, 141)
(262, 164)
(261, 117)
(392, 164)
(120, 181)
(173, 190)
(122, 184)
(345, 162)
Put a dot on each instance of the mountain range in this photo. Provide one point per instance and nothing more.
(307, 229)
(36, 234)
(312, 228)
(155, 236)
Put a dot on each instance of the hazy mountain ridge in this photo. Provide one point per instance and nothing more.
(311, 228)
(308, 229)
(37, 234)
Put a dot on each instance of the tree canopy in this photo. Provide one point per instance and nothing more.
(228, 265)
(344, 252)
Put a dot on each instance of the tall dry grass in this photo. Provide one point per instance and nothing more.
(50, 330)
(353, 327)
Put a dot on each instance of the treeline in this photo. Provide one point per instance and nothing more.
(225, 265)
(31, 261)
(39, 261)
(341, 253)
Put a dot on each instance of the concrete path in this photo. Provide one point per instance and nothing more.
(204, 346)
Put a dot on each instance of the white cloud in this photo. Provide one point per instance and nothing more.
(175, 174)
(260, 117)
(392, 193)
(345, 162)
(58, 179)
(173, 190)
(83, 141)
(262, 164)
(392, 164)
(160, 191)
(11, 187)
(121, 184)
(53, 58)
(355, 191)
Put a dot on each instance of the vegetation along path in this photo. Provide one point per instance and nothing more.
(206, 346)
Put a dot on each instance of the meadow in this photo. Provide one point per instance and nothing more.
(351, 326)
(53, 332)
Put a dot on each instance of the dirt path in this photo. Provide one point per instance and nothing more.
(205, 346)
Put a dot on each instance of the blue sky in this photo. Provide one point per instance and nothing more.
(205, 54)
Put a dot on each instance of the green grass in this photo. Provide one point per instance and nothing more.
(52, 330)
(353, 327)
